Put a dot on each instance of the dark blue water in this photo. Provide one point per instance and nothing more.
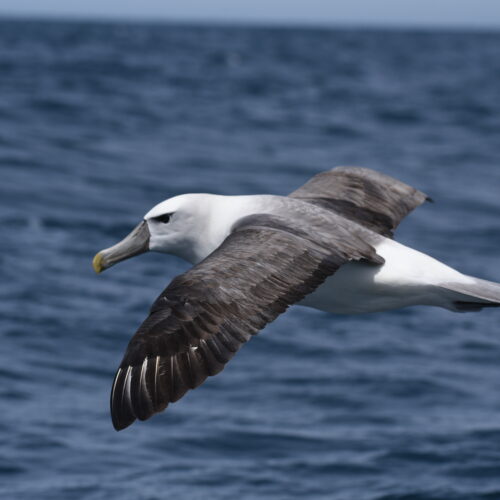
(98, 122)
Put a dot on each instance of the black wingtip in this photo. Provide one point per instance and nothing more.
(119, 425)
(429, 199)
(121, 420)
(121, 414)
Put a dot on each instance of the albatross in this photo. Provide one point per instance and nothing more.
(328, 245)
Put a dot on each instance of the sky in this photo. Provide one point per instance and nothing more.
(449, 13)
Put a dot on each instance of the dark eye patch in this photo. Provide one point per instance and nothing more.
(165, 218)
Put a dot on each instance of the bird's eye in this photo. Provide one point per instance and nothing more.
(165, 218)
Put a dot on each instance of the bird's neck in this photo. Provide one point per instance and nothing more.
(222, 214)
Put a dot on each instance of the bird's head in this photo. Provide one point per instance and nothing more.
(174, 226)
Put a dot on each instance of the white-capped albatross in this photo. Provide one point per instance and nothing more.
(328, 245)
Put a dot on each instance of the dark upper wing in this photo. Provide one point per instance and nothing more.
(375, 200)
(206, 314)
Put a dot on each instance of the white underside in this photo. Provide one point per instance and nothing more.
(407, 278)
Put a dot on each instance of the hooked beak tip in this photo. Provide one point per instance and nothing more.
(97, 263)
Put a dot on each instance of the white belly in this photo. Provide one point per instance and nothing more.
(407, 278)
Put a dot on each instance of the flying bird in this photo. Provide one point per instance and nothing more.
(328, 245)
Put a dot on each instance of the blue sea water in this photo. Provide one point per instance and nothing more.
(100, 121)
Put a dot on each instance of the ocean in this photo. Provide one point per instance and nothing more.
(100, 121)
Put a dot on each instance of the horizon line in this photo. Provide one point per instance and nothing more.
(247, 23)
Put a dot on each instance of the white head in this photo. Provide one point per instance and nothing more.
(175, 225)
(178, 226)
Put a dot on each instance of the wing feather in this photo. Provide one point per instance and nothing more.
(206, 314)
(370, 198)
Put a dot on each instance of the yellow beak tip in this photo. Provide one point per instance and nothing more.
(97, 263)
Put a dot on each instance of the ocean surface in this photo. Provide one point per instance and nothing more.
(100, 121)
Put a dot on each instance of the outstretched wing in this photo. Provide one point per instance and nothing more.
(204, 316)
(375, 200)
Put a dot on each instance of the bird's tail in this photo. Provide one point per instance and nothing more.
(473, 294)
